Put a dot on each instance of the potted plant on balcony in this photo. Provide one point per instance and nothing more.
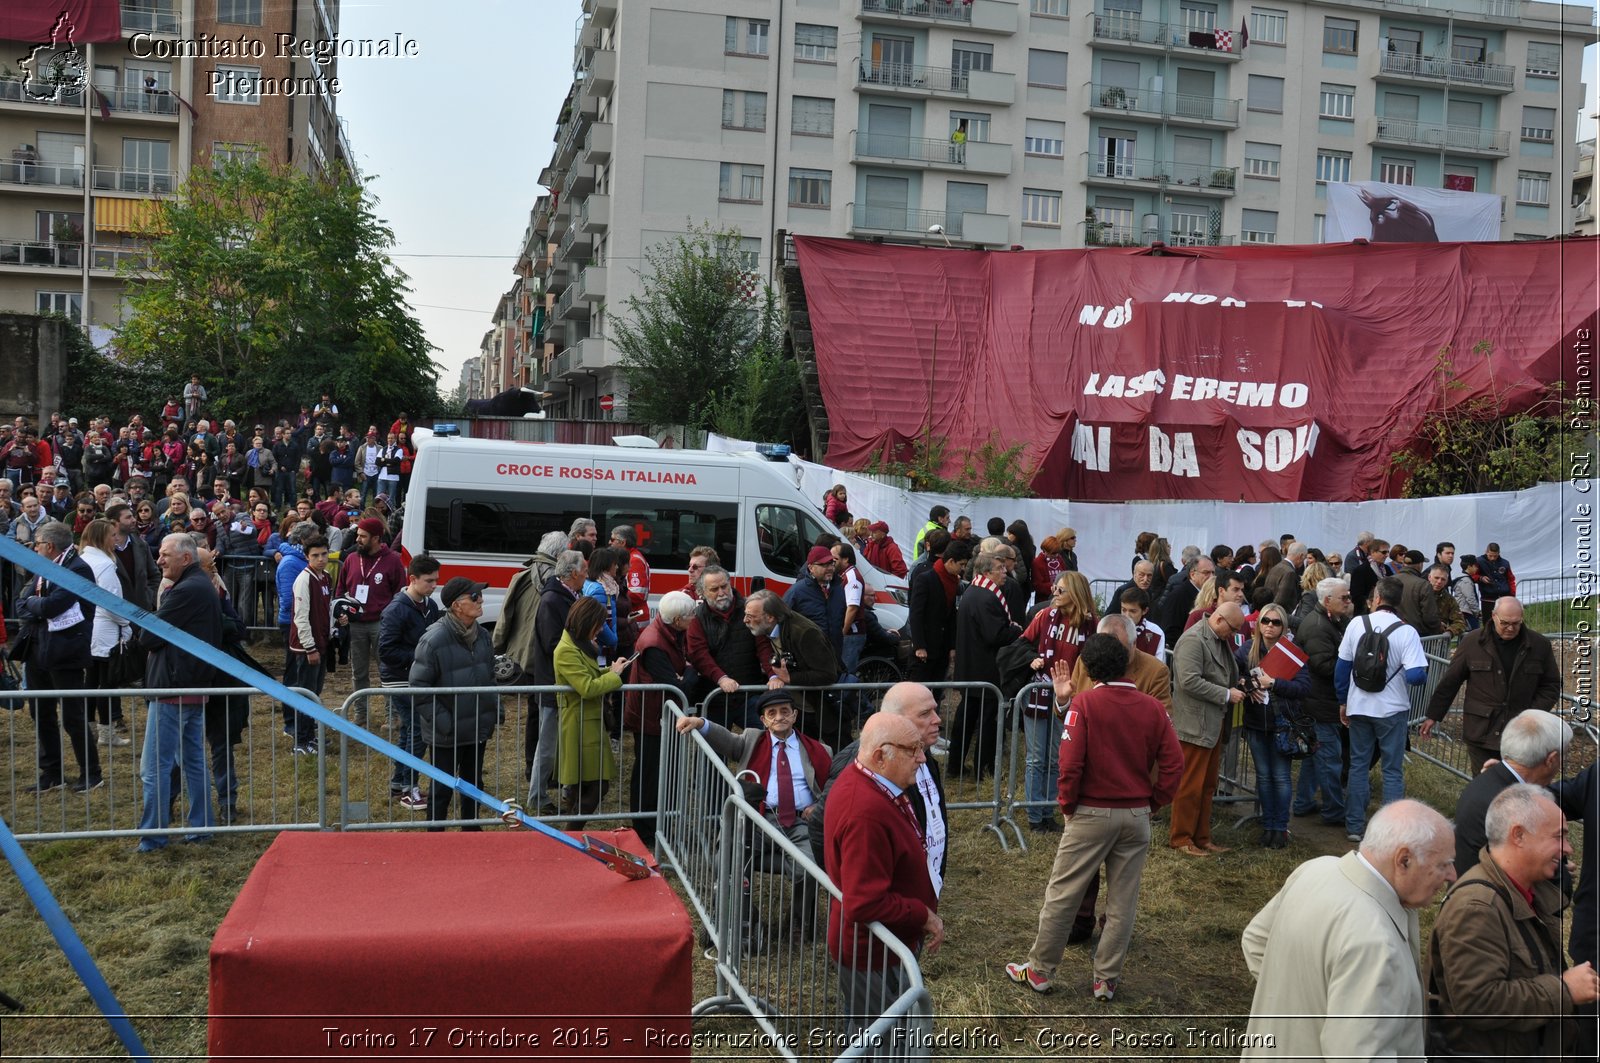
(1114, 96)
(1222, 178)
(68, 237)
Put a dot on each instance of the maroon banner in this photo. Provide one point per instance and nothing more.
(61, 22)
(1244, 374)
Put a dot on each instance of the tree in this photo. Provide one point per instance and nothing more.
(702, 346)
(275, 285)
(1472, 445)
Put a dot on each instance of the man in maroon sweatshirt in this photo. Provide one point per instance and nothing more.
(1115, 741)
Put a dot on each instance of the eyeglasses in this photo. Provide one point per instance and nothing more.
(475, 596)
(909, 751)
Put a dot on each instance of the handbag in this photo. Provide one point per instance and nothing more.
(1294, 736)
(10, 678)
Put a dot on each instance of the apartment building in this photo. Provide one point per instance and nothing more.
(997, 123)
(1583, 189)
(190, 82)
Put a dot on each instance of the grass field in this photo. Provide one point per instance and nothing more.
(148, 921)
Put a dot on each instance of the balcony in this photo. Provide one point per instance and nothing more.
(597, 144)
(138, 102)
(870, 219)
(603, 12)
(1459, 139)
(44, 176)
(591, 284)
(574, 237)
(579, 182)
(56, 254)
(1192, 178)
(12, 91)
(148, 16)
(590, 352)
(111, 179)
(570, 306)
(595, 214)
(1445, 70)
(989, 16)
(1585, 166)
(1211, 112)
(600, 73)
(1105, 234)
(983, 86)
(924, 153)
(1113, 30)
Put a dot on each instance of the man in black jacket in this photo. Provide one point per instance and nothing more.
(983, 627)
(1178, 600)
(58, 624)
(932, 612)
(1533, 747)
(1319, 635)
(555, 601)
(722, 651)
(176, 726)
(404, 619)
(801, 656)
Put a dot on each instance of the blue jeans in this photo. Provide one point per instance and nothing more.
(408, 736)
(174, 734)
(1044, 748)
(1272, 779)
(1370, 735)
(1321, 771)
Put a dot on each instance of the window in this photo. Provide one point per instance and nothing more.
(1544, 60)
(1319, 228)
(816, 44)
(1339, 35)
(236, 84)
(739, 182)
(966, 56)
(1047, 68)
(785, 535)
(1539, 124)
(224, 153)
(1189, 226)
(1115, 155)
(70, 304)
(1198, 18)
(1113, 221)
(243, 12)
(744, 110)
(1264, 93)
(750, 253)
(1262, 160)
(1397, 171)
(1041, 206)
(1337, 101)
(1533, 187)
(1461, 178)
(810, 188)
(811, 115)
(1333, 166)
(1268, 25)
(1259, 227)
(977, 125)
(1469, 49)
(1048, 7)
(146, 166)
(746, 36)
(1044, 138)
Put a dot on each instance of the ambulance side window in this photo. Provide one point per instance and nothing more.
(667, 531)
(496, 522)
(785, 535)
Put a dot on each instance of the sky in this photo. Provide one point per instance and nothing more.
(454, 138)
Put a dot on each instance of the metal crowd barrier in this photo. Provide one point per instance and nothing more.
(274, 791)
(965, 789)
(767, 908)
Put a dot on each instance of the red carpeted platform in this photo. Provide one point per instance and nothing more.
(497, 945)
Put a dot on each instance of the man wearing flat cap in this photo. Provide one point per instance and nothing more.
(372, 575)
(1418, 605)
(819, 597)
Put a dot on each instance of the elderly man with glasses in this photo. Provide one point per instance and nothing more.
(1205, 688)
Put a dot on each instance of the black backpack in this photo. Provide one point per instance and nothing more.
(1370, 670)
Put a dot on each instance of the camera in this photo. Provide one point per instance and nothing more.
(787, 659)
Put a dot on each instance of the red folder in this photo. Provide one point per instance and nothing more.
(1284, 660)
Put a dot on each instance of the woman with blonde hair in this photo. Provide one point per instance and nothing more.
(1314, 574)
(1058, 633)
(1271, 700)
(108, 640)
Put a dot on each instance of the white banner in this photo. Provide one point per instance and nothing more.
(1368, 210)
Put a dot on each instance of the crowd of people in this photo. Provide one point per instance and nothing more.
(1308, 653)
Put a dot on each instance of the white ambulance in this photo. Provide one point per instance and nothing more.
(480, 507)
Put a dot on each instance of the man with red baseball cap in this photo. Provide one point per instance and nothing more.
(371, 575)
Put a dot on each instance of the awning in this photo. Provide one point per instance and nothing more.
(113, 215)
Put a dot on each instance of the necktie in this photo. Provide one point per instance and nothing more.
(786, 816)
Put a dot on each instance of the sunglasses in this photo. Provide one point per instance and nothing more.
(1269, 622)
(475, 596)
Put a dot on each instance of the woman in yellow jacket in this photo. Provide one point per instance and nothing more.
(585, 763)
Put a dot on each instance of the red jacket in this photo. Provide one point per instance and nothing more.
(641, 709)
(384, 576)
(1047, 568)
(885, 556)
(876, 857)
(1114, 740)
(638, 587)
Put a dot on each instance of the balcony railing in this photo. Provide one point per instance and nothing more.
(148, 16)
(937, 10)
(138, 101)
(1113, 26)
(65, 254)
(12, 91)
(16, 171)
(595, 214)
(1410, 132)
(911, 149)
(870, 217)
(110, 179)
(1447, 69)
(1178, 106)
(1194, 175)
(908, 76)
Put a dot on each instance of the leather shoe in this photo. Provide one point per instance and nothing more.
(1190, 850)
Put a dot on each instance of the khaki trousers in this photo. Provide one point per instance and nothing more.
(1119, 838)
(1191, 808)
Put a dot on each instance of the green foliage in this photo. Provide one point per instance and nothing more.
(700, 349)
(275, 286)
(1465, 447)
(992, 470)
(96, 385)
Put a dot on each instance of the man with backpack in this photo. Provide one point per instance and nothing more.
(1379, 656)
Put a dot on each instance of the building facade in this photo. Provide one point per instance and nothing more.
(80, 171)
(995, 123)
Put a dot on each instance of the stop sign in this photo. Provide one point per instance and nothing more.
(607, 402)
